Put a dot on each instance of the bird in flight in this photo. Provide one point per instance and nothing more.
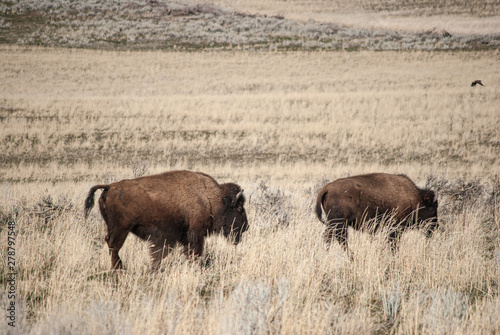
(476, 82)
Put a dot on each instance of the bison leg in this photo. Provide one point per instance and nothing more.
(328, 235)
(115, 241)
(159, 250)
(157, 254)
(339, 231)
(394, 238)
(194, 249)
(195, 243)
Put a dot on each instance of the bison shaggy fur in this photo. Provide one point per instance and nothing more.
(169, 208)
(350, 202)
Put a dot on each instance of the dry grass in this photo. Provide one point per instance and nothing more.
(414, 8)
(253, 25)
(457, 17)
(281, 125)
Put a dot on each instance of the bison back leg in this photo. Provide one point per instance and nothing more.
(115, 240)
(339, 231)
(118, 229)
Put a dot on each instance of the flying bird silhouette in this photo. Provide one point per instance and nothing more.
(476, 82)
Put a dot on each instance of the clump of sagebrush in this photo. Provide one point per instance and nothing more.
(140, 168)
(459, 198)
(249, 307)
(447, 311)
(461, 194)
(313, 190)
(8, 218)
(272, 202)
(47, 208)
(391, 302)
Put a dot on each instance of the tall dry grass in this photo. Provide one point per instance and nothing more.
(281, 125)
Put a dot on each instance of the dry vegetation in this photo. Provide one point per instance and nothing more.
(280, 124)
(253, 25)
(456, 16)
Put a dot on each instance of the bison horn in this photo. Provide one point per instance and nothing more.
(235, 200)
(240, 193)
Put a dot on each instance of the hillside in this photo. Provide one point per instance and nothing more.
(139, 25)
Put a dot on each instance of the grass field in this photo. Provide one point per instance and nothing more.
(281, 125)
(193, 25)
(456, 16)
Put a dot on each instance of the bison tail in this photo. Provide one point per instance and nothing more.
(89, 202)
(319, 205)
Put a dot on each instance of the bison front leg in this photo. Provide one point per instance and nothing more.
(394, 238)
(160, 249)
(195, 243)
(157, 255)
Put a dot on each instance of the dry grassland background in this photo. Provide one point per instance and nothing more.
(253, 25)
(280, 124)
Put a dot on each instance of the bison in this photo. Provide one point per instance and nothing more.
(165, 209)
(349, 202)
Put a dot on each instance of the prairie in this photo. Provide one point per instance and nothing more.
(457, 17)
(280, 124)
(253, 25)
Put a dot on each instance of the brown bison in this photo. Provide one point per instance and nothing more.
(167, 208)
(351, 201)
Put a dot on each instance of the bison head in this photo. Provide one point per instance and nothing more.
(234, 218)
(428, 211)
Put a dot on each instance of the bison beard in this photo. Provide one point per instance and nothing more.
(350, 202)
(165, 209)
